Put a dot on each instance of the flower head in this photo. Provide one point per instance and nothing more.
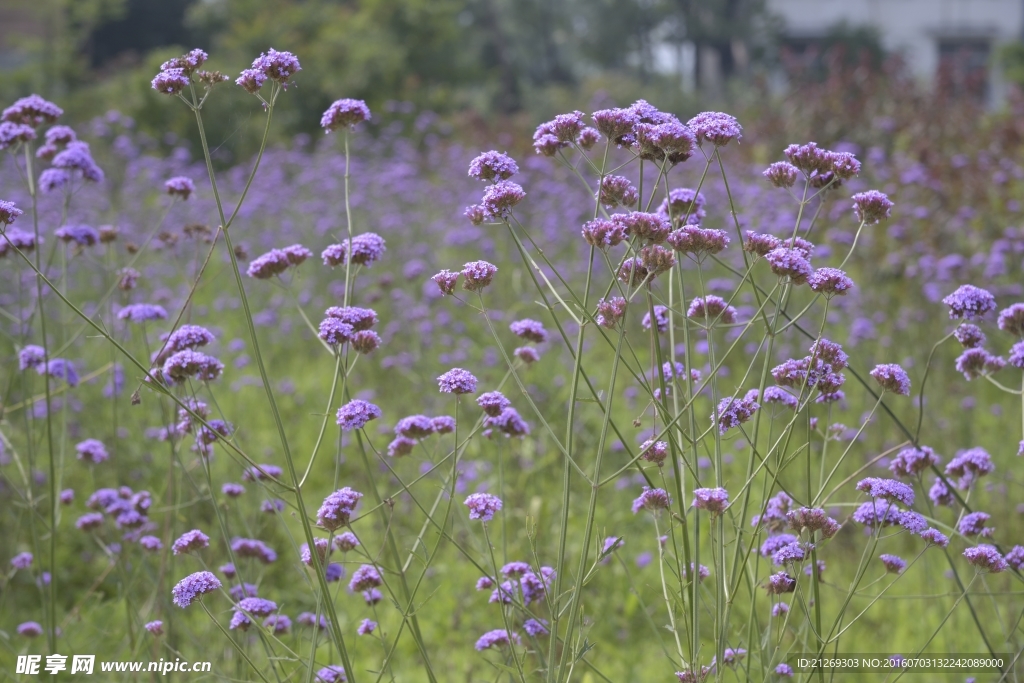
(1011, 319)
(887, 489)
(365, 578)
(830, 281)
(356, 413)
(457, 381)
(871, 207)
(892, 377)
(969, 302)
(493, 165)
(91, 450)
(366, 248)
(913, 460)
(654, 500)
(716, 127)
(711, 308)
(781, 174)
(499, 199)
(496, 638)
(482, 506)
(337, 508)
(790, 263)
(32, 111)
(190, 541)
(477, 274)
(344, 113)
(194, 586)
(986, 557)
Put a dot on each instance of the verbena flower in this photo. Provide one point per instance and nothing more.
(91, 450)
(660, 317)
(714, 500)
(90, 520)
(509, 422)
(12, 134)
(365, 578)
(970, 336)
(713, 309)
(443, 424)
(614, 123)
(499, 198)
(830, 282)
(645, 226)
(310, 619)
(781, 174)
(253, 548)
(356, 413)
(716, 127)
(732, 412)
(82, 235)
(335, 673)
(445, 281)
(617, 191)
(151, 543)
(496, 638)
(813, 519)
(969, 465)
(194, 586)
(21, 561)
(482, 506)
(654, 500)
(935, 537)
(780, 583)
(337, 508)
(684, 203)
(278, 624)
(262, 473)
(32, 111)
(973, 524)
(493, 165)
(323, 549)
(940, 494)
(892, 377)
(893, 563)
(493, 402)
(656, 259)
(457, 381)
(76, 158)
(536, 627)
(697, 241)
(603, 233)
(877, 513)
(531, 330)
(366, 249)
(975, 362)
(969, 302)
(1015, 558)
(986, 557)
(190, 541)
(30, 629)
(277, 66)
(760, 243)
(1011, 320)
(913, 460)
(9, 212)
(789, 263)
(401, 445)
(610, 311)
(366, 627)
(344, 113)
(189, 363)
(142, 313)
(180, 186)
(887, 489)
(476, 275)
(871, 207)
(346, 541)
(654, 451)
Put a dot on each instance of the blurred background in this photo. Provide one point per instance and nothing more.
(498, 63)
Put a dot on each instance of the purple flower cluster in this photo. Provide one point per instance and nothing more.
(337, 508)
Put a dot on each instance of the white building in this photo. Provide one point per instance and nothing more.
(955, 38)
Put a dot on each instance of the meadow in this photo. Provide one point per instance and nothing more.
(862, 411)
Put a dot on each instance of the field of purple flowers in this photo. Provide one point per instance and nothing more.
(648, 400)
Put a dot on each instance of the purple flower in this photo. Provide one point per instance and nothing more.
(334, 331)
(698, 241)
(91, 450)
(761, 243)
(830, 282)
(892, 377)
(310, 619)
(366, 248)
(493, 403)
(477, 274)
(781, 174)
(251, 80)
(632, 272)
(484, 583)
(30, 629)
(610, 311)
(789, 263)
(346, 541)
(775, 394)
(1017, 355)
(22, 561)
(67, 496)
(445, 281)
(90, 520)
(940, 493)
(913, 522)
(660, 316)
(443, 424)
(716, 127)
(142, 313)
(528, 329)
(969, 302)
(653, 500)
(337, 508)
(618, 191)
(189, 62)
(31, 357)
(262, 472)
(780, 609)
(813, 519)
(493, 165)
(189, 363)
(732, 412)
(970, 336)
(151, 543)
(482, 506)
(180, 187)
(973, 524)
(155, 627)
(684, 202)
(365, 578)
(344, 113)
(711, 308)
(334, 673)
(986, 557)
(654, 451)
(356, 413)
(645, 226)
(935, 537)
(32, 111)
(784, 669)
(702, 572)
(1015, 558)
(194, 586)
(254, 548)
(278, 624)
(170, 81)
(536, 627)
(323, 549)
(508, 421)
(780, 583)
(893, 564)
(499, 199)
(913, 460)
(714, 500)
(496, 638)
(82, 235)
(602, 233)
(1011, 319)
(278, 66)
(190, 541)
(77, 157)
(871, 207)
(887, 489)
(366, 627)
(969, 465)
(9, 212)
(975, 362)
(457, 381)
(258, 607)
(13, 133)
(61, 368)
(614, 123)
